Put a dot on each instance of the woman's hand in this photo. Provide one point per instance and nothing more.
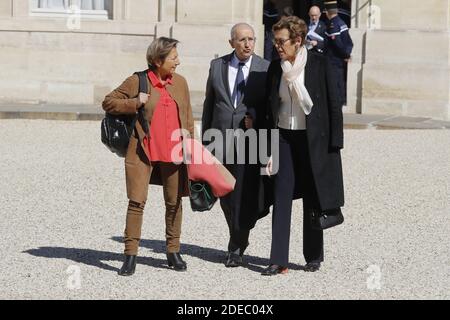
(142, 99)
(269, 170)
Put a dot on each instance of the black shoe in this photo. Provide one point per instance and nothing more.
(129, 266)
(312, 266)
(174, 260)
(233, 260)
(273, 270)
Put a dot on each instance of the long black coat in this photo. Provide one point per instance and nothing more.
(324, 125)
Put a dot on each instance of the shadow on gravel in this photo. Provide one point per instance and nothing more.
(91, 257)
(252, 263)
(98, 258)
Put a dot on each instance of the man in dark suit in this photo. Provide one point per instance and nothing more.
(270, 17)
(234, 97)
(345, 10)
(316, 38)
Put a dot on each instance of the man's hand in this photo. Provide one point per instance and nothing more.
(314, 43)
(269, 170)
(248, 121)
(142, 99)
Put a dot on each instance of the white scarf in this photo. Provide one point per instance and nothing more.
(294, 76)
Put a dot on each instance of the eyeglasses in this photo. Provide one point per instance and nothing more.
(248, 39)
(279, 42)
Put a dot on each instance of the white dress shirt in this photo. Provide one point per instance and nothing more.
(313, 26)
(291, 116)
(233, 68)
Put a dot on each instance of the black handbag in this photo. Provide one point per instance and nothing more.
(201, 196)
(116, 130)
(322, 220)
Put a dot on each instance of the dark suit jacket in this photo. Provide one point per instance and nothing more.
(324, 126)
(219, 113)
(218, 110)
(320, 30)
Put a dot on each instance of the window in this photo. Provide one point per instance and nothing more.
(97, 9)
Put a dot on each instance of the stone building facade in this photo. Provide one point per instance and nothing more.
(75, 51)
(401, 62)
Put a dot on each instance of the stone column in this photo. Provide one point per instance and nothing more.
(405, 57)
(6, 8)
(167, 17)
(20, 8)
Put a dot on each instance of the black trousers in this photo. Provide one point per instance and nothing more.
(238, 237)
(294, 176)
(232, 206)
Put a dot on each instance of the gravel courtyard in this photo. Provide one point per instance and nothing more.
(62, 215)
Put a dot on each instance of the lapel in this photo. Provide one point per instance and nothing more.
(176, 93)
(274, 94)
(310, 71)
(319, 28)
(152, 101)
(225, 64)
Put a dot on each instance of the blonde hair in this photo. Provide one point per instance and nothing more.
(296, 27)
(159, 49)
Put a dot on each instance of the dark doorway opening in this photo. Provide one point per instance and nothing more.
(274, 9)
(300, 8)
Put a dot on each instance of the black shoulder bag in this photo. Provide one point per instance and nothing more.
(116, 130)
(201, 197)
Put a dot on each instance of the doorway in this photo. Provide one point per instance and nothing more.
(300, 8)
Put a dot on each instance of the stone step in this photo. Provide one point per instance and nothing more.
(95, 113)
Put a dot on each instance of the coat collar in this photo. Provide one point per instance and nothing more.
(176, 90)
(155, 82)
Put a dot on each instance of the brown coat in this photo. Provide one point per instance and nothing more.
(138, 166)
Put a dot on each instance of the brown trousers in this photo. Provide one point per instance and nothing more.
(172, 198)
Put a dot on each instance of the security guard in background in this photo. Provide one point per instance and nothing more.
(339, 46)
(345, 10)
(271, 16)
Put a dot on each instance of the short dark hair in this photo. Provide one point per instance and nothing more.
(159, 49)
(296, 27)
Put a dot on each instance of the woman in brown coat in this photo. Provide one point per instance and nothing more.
(167, 109)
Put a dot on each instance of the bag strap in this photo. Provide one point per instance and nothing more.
(143, 75)
(143, 87)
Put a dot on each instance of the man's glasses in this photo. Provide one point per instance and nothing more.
(245, 40)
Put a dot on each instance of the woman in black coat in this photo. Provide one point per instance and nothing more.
(303, 104)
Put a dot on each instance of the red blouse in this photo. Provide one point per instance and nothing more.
(165, 121)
